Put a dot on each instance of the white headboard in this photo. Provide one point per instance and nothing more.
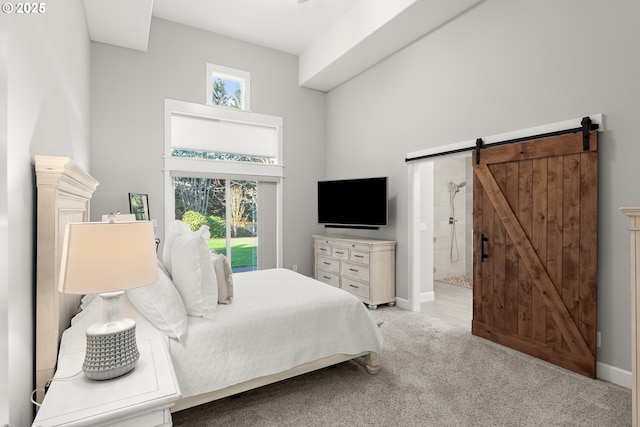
(63, 193)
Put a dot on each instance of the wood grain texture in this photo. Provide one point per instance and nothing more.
(540, 148)
(588, 293)
(524, 218)
(539, 241)
(478, 274)
(555, 177)
(512, 264)
(498, 257)
(539, 210)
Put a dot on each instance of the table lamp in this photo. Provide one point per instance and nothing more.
(107, 258)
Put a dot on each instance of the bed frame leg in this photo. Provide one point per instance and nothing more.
(372, 362)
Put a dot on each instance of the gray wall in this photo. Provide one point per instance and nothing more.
(504, 66)
(128, 89)
(44, 86)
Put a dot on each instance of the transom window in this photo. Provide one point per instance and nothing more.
(227, 87)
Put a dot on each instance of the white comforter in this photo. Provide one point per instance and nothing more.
(278, 319)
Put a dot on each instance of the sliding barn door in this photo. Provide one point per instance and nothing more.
(535, 241)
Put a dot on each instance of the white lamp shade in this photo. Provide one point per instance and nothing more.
(106, 257)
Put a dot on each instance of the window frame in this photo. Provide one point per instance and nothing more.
(244, 77)
(181, 166)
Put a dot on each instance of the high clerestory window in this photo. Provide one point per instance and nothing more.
(228, 87)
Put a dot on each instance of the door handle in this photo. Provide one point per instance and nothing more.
(483, 254)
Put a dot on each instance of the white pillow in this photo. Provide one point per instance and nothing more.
(193, 275)
(174, 229)
(161, 304)
(86, 300)
(224, 277)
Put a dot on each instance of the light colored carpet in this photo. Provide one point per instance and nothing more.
(433, 374)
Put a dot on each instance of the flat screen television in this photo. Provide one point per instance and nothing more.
(353, 203)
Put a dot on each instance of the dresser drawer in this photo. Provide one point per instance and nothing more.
(355, 287)
(360, 248)
(332, 279)
(340, 252)
(357, 256)
(328, 264)
(323, 248)
(357, 271)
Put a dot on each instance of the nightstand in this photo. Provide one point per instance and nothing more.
(139, 398)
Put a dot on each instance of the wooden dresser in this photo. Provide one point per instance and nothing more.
(364, 267)
(634, 228)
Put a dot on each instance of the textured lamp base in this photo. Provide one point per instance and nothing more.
(111, 355)
(111, 344)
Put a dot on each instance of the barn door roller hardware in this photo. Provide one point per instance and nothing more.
(586, 127)
(478, 148)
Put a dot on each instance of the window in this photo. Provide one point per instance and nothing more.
(223, 168)
(227, 87)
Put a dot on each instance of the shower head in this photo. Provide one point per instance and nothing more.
(456, 187)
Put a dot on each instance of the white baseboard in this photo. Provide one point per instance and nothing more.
(603, 371)
(427, 296)
(403, 303)
(613, 375)
(424, 297)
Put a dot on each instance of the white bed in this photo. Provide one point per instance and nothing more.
(278, 321)
(280, 324)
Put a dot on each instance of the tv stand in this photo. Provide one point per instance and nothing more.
(364, 267)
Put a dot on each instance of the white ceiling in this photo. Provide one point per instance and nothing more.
(335, 39)
(284, 25)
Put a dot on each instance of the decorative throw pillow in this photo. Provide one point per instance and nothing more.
(224, 276)
(161, 304)
(174, 229)
(193, 274)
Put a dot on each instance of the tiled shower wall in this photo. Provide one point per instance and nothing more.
(454, 170)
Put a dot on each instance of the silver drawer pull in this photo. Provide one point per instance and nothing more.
(326, 263)
(358, 256)
(327, 277)
(339, 253)
(354, 286)
(354, 270)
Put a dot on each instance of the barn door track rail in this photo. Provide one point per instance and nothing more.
(586, 127)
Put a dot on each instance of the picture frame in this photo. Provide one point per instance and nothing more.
(139, 206)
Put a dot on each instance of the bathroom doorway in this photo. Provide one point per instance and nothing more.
(452, 240)
(422, 190)
(453, 220)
